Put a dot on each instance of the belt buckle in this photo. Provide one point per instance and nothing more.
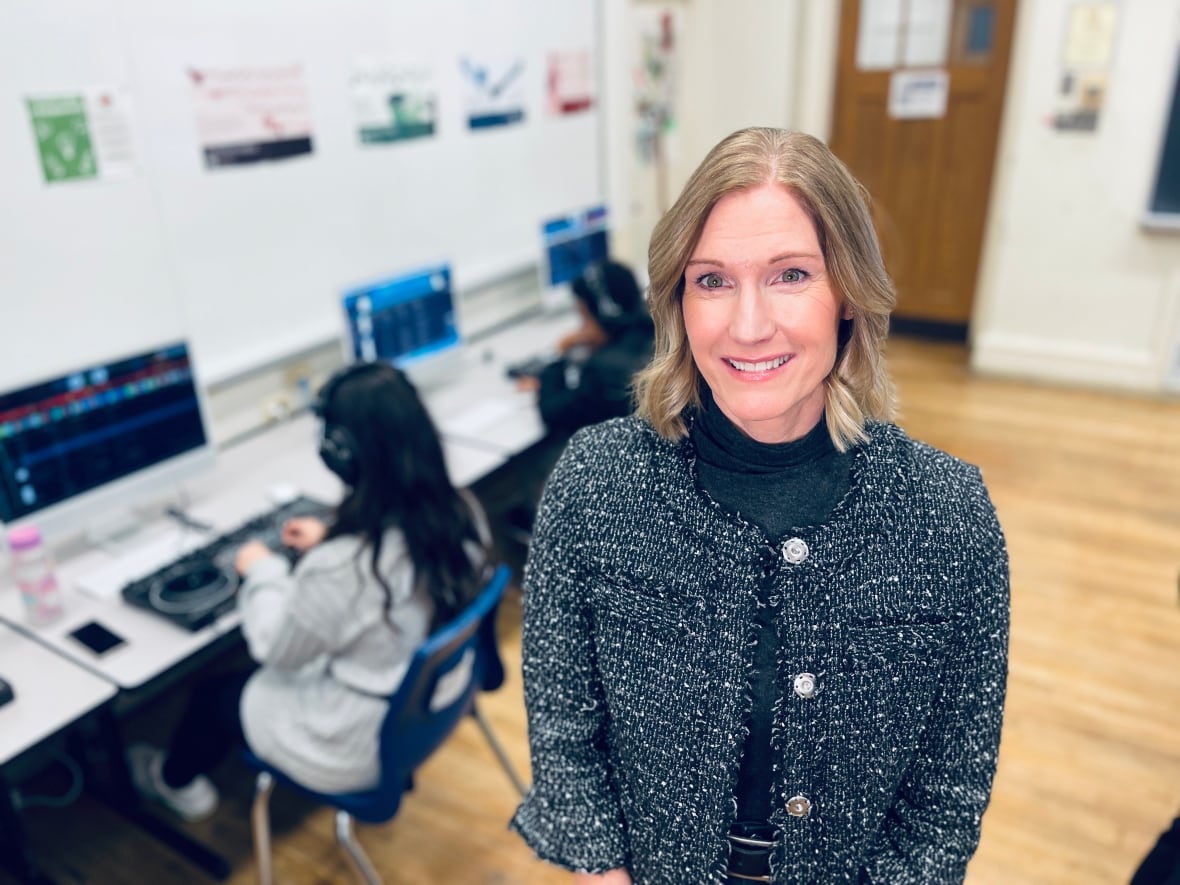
(730, 874)
(750, 845)
(753, 843)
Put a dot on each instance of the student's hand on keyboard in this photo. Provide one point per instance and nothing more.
(303, 532)
(528, 383)
(248, 554)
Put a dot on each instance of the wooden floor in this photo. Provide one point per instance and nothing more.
(1088, 490)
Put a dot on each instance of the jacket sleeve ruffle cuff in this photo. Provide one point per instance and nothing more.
(576, 832)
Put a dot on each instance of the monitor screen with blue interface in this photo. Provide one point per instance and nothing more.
(403, 319)
(574, 242)
(64, 438)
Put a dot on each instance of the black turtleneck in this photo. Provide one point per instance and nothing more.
(777, 487)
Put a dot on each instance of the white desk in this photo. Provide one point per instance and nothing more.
(486, 409)
(234, 491)
(50, 693)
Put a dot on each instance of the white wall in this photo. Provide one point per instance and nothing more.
(733, 76)
(1071, 288)
(741, 63)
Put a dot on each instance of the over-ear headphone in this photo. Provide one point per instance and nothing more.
(339, 449)
(606, 307)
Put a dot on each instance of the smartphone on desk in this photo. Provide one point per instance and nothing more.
(97, 638)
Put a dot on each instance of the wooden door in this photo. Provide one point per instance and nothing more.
(930, 179)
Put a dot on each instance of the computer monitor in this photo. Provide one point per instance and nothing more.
(407, 320)
(572, 243)
(82, 449)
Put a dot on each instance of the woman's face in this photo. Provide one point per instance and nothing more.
(761, 314)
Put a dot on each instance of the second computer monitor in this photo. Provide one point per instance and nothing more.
(405, 319)
(572, 243)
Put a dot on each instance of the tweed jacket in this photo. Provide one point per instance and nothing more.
(639, 620)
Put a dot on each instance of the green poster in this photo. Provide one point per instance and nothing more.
(63, 138)
(410, 116)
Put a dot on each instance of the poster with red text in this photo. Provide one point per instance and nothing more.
(570, 82)
(251, 113)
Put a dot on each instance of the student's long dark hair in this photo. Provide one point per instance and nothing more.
(401, 480)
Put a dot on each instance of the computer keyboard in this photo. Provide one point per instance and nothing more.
(531, 366)
(472, 422)
(200, 586)
(537, 363)
(106, 582)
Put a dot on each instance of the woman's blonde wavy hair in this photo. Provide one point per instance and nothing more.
(858, 387)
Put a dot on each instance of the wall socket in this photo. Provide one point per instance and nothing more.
(297, 381)
(277, 407)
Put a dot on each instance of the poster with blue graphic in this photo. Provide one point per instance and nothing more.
(494, 89)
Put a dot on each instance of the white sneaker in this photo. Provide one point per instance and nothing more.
(193, 802)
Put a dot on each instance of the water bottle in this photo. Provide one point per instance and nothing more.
(33, 571)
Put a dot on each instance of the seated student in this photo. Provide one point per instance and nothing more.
(403, 554)
(592, 380)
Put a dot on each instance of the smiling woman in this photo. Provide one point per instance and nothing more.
(841, 230)
(765, 632)
(760, 313)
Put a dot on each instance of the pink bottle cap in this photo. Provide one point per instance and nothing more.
(24, 537)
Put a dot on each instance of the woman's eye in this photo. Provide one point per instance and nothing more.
(794, 275)
(710, 281)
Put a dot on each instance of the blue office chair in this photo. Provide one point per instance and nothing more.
(439, 688)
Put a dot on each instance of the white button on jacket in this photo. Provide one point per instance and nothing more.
(795, 551)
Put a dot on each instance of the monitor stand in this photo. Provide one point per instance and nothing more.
(439, 369)
(139, 541)
(120, 528)
(557, 299)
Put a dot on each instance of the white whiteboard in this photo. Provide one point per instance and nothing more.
(248, 262)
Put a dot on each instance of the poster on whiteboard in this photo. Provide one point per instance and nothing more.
(570, 82)
(393, 100)
(251, 113)
(83, 135)
(494, 90)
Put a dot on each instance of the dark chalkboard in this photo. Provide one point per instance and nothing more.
(1165, 198)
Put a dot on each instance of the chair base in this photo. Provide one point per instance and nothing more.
(358, 861)
(264, 785)
(498, 749)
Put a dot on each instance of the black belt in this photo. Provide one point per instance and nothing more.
(750, 847)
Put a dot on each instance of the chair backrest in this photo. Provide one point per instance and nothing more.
(456, 661)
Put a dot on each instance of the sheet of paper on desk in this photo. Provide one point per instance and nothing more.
(481, 417)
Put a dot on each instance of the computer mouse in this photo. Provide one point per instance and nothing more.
(6, 692)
